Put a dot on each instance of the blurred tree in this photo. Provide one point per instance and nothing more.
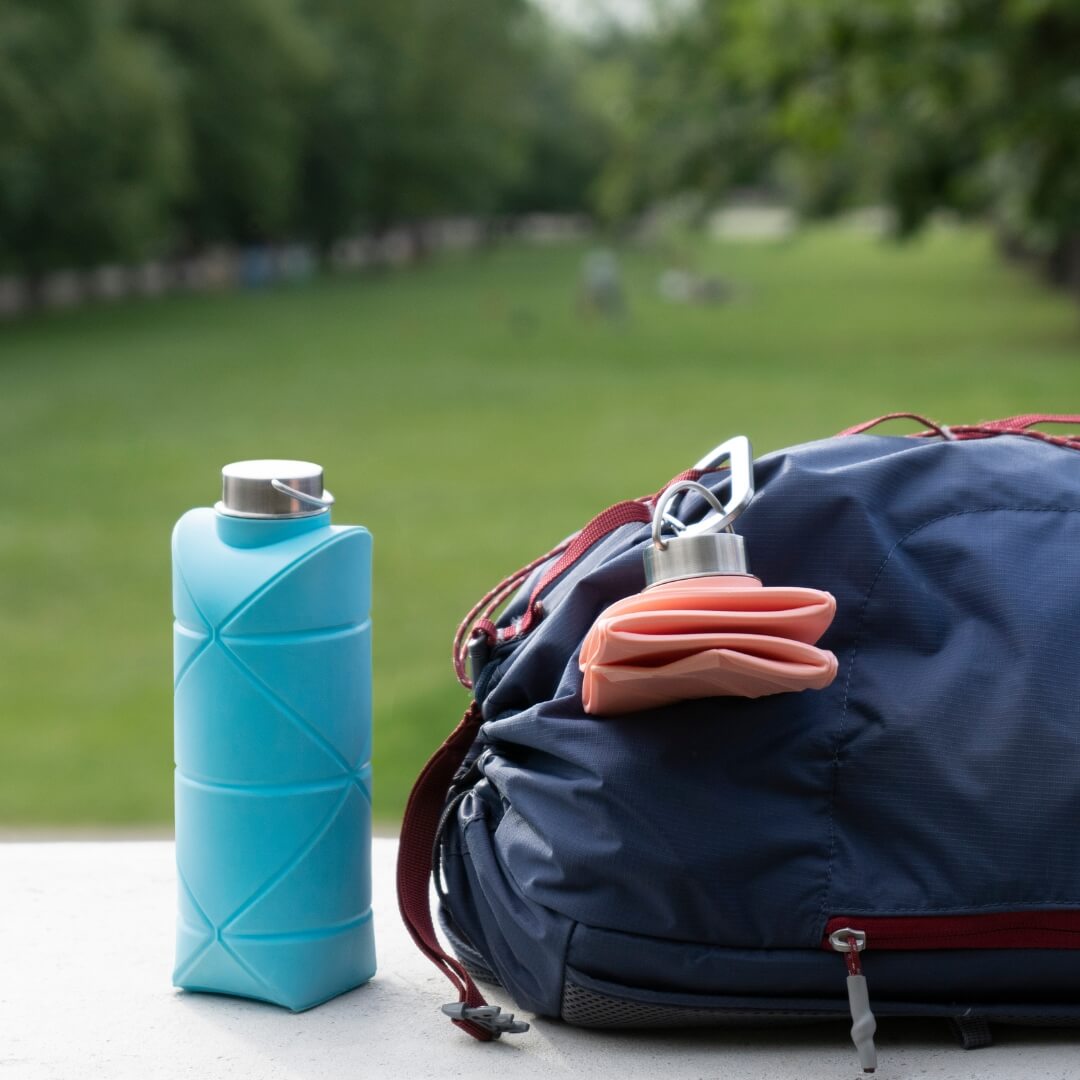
(245, 68)
(687, 114)
(965, 105)
(971, 106)
(136, 126)
(423, 113)
(890, 101)
(91, 138)
(562, 120)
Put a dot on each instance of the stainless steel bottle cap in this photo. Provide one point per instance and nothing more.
(271, 488)
(704, 555)
(707, 548)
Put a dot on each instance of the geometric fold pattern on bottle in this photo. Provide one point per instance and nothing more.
(327, 709)
(283, 604)
(237, 952)
(321, 680)
(283, 899)
(302, 698)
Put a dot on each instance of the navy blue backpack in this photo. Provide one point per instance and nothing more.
(916, 825)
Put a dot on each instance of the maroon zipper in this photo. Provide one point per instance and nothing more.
(1008, 930)
(851, 935)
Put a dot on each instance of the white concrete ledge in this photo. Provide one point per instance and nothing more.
(86, 940)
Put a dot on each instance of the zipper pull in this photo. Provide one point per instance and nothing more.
(863, 1025)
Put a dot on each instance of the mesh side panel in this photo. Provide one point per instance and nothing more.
(470, 958)
(588, 1008)
(480, 973)
(972, 1031)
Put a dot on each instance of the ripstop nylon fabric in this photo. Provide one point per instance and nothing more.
(694, 854)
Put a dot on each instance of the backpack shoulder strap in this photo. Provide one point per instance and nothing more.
(470, 1012)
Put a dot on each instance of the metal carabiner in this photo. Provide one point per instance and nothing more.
(740, 454)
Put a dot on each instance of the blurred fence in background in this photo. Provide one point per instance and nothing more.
(258, 266)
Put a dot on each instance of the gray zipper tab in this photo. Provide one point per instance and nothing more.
(863, 1024)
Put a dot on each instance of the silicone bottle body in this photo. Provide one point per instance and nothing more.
(272, 648)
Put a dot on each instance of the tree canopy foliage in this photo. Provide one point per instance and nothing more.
(135, 127)
(92, 146)
(965, 105)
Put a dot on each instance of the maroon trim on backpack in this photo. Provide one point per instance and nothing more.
(1010, 425)
(414, 864)
(481, 617)
(1039, 929)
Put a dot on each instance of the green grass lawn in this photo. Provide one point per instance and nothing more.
(465, 413)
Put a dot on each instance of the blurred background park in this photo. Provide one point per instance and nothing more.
(495, 265)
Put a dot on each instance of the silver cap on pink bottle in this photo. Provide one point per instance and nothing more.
(709, 547)
(273, 488)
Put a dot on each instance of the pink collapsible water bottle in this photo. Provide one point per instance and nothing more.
(705, 626)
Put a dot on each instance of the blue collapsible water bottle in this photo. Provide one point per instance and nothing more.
(273, 741)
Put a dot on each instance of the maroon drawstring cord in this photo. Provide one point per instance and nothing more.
(480, 619)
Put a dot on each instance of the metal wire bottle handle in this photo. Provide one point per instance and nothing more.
(324, 503)
(660, 516)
